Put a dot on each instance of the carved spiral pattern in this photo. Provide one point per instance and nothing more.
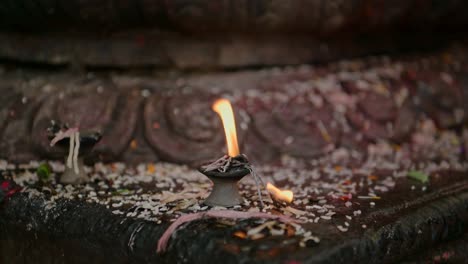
(304, 112)
(441, 96)
(297, 126)
(182, 127)
(15, 116)
(95, 107)
(378, 117)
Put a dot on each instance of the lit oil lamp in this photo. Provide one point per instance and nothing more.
(229, 169)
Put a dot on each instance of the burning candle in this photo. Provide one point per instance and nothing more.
(280, 195)
(224, 109)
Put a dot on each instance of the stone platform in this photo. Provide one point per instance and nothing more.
(345, 137)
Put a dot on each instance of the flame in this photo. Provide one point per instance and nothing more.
(280, 195)
(224, 110)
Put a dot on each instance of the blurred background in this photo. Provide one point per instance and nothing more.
(145, 73)
(202, 34)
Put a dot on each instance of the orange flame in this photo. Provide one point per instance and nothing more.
(224, 110)
(280, 195)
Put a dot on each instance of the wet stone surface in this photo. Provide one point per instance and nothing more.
(340, 208)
